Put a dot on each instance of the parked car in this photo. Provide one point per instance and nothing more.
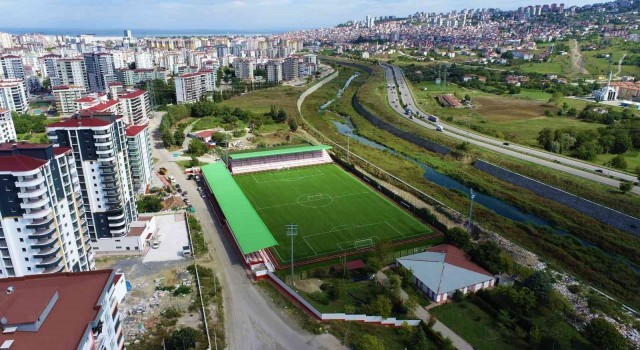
(599, 171)
(155, 244)
(439, 128)
(186, 251)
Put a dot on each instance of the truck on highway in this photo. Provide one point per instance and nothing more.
(433, 118)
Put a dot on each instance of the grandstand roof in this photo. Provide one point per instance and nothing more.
(249, 230)
(278, 152)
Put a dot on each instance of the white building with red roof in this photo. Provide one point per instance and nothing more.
(444, 269)
(7, 129)
(42, 218)
(66, 97)
(191, 87)
(100, 143)
(62, 311)
(135, 107)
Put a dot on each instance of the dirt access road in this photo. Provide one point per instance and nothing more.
(252, 321)
(577, 61)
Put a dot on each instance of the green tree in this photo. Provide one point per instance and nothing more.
(557, 98)
(194, 161)
(545, 138)
(218, 137)
(457, 296)
(420, 340)
(604, 335)
(178, 137)
(197, 148)
(541, 284)
(381, 306)
(293, 124)
(619, 162)
(395, 286)
(369, 342)
(183, 338)
(46, 84)
(535, 337)
(149, 204)
(458, 236)
(625, 186)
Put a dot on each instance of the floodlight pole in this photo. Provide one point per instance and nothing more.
(471, 196)
(292, 231)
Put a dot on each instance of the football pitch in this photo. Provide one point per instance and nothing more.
(334, 211)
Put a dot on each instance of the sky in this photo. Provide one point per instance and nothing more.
(246, 15)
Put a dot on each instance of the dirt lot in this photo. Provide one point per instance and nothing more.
(141, 308)
(507, 109)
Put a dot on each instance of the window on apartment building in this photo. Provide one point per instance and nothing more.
(96, 192)
(19, 229)
(28, 269)
(21, 239)
(24, 249)
(26, 259)
(15, 219)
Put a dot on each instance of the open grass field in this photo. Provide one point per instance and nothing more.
(475, 326)
(260, 101)
(333, 210)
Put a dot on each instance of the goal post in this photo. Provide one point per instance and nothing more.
(363, 243)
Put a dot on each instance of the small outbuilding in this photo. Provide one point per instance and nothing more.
(443, 269)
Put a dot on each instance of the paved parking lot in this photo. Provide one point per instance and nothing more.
(172, 233)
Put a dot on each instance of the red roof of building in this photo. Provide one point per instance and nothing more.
(3, 110)
(10, 56)
(20, 163)
(456, 257)
(205, 133)
(115, 83)
(85, 99)
(79, 122)
(61, 150)
(133, 94)
(135, 231)
(65, 325)
(101, 107)
(134, 130)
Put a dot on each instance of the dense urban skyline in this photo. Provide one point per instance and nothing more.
(237, 15)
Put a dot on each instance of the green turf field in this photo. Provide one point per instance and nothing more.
(333, 210)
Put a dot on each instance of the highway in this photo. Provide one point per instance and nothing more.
(554, 161)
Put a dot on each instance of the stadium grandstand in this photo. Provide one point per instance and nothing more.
(239, 219)
(275, 159)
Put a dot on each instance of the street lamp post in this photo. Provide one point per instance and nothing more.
(471, 196)
(292, 231)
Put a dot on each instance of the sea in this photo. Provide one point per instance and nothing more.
(138, 33)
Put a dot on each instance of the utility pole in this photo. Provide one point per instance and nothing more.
(292, 231)
(471, 196)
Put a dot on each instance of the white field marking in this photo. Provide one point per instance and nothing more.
(297, 178)
(297, 203)
(395, 229)
(305, 241)
(347, 228)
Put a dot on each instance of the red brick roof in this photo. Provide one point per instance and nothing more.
(133, 94)
(71, 315)
(61, 150)
(134, 130)
(79, 122)
(101, 107)
(456, 257)
(85, 99)
(20, 163)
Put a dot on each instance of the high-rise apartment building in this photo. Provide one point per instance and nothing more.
(290, 68)
(13, 95)
(63, 311)
(139, 146)
(274, 71)
(99, 144)
(5, 41)
(50, 66)
(100, 70)
(135, 107)
(70, 71)
(190, 87)
(41, 212)
(66, 97)
(11, 67)
(7, 129)
(244, 68)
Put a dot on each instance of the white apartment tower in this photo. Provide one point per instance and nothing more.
(244, 68)
(99, 144)
(274, 72)
(43, 225)
(7, 129)
(139, 146)
(135, 107)
(70, 71)
(50, 66)
(192, 86)
(11, 67)
(66, 96)
(13, 95)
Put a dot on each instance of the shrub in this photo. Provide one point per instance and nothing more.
(320, 297)
(457, 296)
(182, 290)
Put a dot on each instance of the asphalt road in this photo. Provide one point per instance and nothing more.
(252, 322)
(564, 164)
